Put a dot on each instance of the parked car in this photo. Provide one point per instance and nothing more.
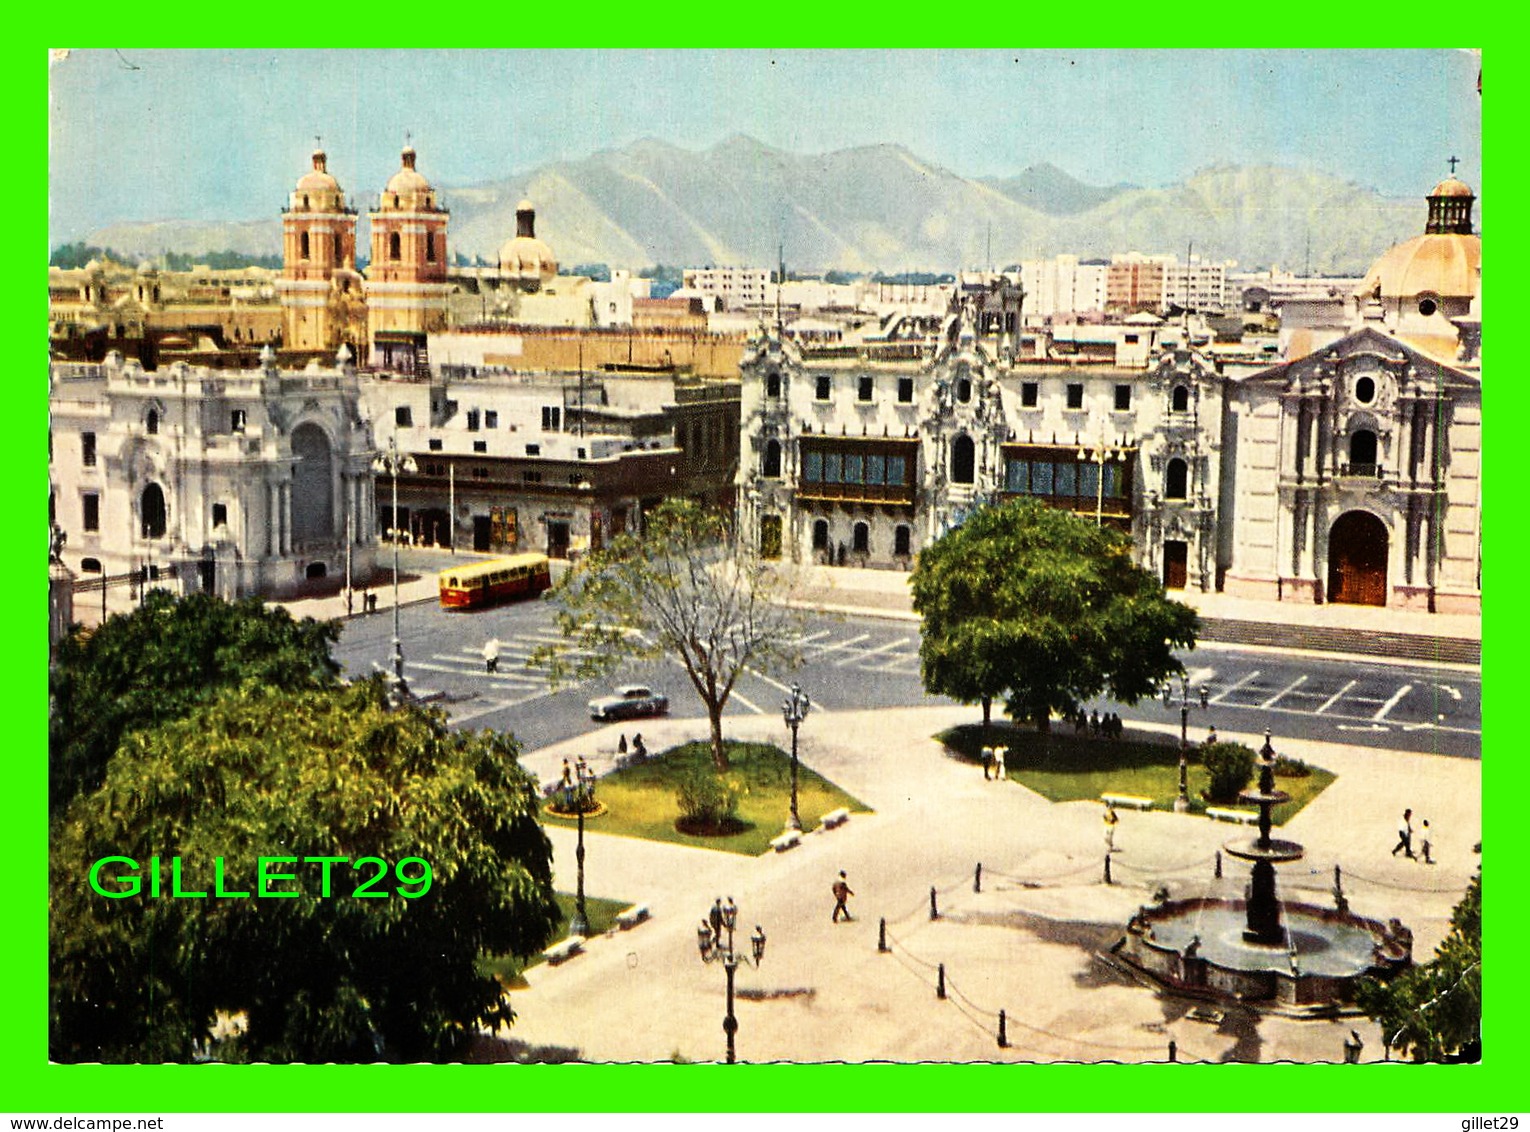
(630, 702)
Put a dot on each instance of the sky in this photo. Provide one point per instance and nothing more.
(222, 135)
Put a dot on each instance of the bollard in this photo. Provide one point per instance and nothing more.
(977, 878)
(1107, 868)
(1003, 1033)
(940, 981)
(934, 909)
(882, 935)
(1173, 1050)
(1219, 865)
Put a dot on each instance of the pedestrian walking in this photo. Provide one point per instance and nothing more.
(638, 750)
(987, 763)
(842, 893)
(1211, 736)
(1425, 838)
(1110, 828)
(716, 917)
(1000, 758)
(491, 655)
(350, 601)
(1115, 725)
(621, 744)
(1094, 722)
(1405, 836)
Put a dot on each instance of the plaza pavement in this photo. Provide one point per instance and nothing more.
(1027, 943)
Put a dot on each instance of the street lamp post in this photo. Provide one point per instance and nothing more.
(715, 949)
(1099, 455)
(579, 924)
(1182, 803)
(392, 462)
(794, 709)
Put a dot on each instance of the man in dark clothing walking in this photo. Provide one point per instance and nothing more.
(1405, 836)
(841, 894)
(716, 917)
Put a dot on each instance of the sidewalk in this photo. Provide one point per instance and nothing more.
(1027, 943)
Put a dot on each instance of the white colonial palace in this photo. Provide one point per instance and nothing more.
(1348, 472)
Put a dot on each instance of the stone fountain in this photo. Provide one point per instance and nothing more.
(1286, 956)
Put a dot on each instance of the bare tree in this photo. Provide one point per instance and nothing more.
(684, 590)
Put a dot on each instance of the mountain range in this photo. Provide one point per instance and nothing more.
(876, 207)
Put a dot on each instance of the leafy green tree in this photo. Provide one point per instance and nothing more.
(1433, 1011)
(158, 662)
(685, 590)
(1044, 609)
(330, 772)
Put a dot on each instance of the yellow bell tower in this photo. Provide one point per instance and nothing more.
(318, 263)
(406, 285)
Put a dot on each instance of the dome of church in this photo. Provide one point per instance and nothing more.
(318, 179)
(1445, 262)
(526, 258)
(407, 179)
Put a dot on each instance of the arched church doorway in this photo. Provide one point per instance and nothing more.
(313, 507)
(1357, 560)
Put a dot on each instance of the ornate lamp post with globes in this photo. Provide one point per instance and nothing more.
(794, 709)
(391, 462)
(715, 949)
(1182, 803)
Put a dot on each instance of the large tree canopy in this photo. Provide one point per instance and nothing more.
(158, 662)
(683, 590)
(1042, 609)
(324, 773)
(1433, 1012)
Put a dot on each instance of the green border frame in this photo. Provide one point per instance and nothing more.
(34, 1085)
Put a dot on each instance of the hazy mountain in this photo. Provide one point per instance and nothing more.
(876, 207)
(1048, 189)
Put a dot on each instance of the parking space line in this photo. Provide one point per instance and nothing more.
(1231, 688)
(1393, 702)
(1331, 700)
(871, 652)
(840, 646)
(746, 703)
(894, 665)
(810, 637)
(1291, 687)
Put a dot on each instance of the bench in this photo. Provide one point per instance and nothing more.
(564, 949)
(1127, 801)
(784, 841)
(632, 917)
(1217, 813)
(834, 818)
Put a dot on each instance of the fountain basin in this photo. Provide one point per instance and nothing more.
(1313, 970)
(1275, 851)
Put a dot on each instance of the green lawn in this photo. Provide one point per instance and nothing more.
(1065, 767)
(640, 800)
(508, 968)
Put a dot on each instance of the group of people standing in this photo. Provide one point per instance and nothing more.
(1108, 725)
(1405, 839)
(995, 763)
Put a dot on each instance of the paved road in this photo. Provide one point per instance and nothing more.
(863, 662)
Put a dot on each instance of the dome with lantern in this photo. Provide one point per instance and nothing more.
(525, 260)
(408, 190)
(317, 190)
(1417, 287)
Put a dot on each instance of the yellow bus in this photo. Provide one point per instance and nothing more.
(478, 584)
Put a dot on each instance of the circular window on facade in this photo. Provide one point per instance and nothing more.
(1365, 390)
(1427, 307)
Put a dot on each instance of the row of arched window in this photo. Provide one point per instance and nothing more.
(860, 539)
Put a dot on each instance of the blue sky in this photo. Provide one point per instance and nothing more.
(221, 135)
